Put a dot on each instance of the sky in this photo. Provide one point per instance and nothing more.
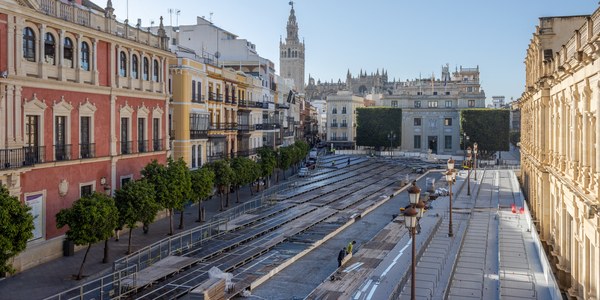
(407, 38)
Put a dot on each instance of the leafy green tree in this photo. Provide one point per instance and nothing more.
(136, 203)
(244, 173)
(180, 185)
(156, 175)
(284, 160)
(224, 176)
(16, 226)
(254, 173)
(267, 162)
(203, 182)
(375, 123)
(91, 219)
(489, 128)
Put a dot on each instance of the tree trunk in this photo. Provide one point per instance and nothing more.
(181, 219)
(227, 202)
(171, 221)
(284, 174)
(83, 262)
(221, 200)
(202, 215)
(251, 192)
(129, 245)
(146, 227)
(237, 195)
(105, 258)
(199, 211)
(277, 176)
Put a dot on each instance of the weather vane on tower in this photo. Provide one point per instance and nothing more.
(292, 4)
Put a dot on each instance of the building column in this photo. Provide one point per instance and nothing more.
(117, 66)
(3, 116)
(18, 117)
(60, 54)
(11, 39)
(10, 107)
(41, 51)
(94, 61)
(78, 76)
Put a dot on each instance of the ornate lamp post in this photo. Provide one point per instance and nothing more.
(475, 162)
(391, 137)
(411, 216)
(469, 172)
(450, 179)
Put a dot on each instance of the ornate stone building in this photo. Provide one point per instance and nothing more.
(363, 84)
(560, 140)
(291, 56)
(83, 108)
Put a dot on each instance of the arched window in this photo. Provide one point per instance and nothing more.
(85, 56)
(123, 64)
(50, 49)
(134, 67)
(155, 71)
(68, 52)
(146, 69)
(289, 52)
(28, 44)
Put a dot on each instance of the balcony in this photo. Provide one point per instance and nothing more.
(223, 126)
(198, 134)
(246, 153)
(142, 146)
(157, 145)
(334, 125)
(339, 139)
(62, 152)
(215, 156)
(21, 157)
(288, 133)
(87, 151)
(219, 98)
(211, 96)
(126, 147)
(246, 127)
(198, 99)
(344, 125)
(268, 126)
(282, 105)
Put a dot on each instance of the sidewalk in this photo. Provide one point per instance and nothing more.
(56, 276)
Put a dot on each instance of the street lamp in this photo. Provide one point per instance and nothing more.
(450, 179)
(469, 171)
(411, 216)
(391, 137)
(475, 163)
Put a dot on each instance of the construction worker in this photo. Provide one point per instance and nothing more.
(349, 248)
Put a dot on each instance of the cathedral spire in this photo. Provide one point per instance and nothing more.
(292, 26)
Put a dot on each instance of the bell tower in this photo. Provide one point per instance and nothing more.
(291, 53)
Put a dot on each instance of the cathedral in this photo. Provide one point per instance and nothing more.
(363, 84)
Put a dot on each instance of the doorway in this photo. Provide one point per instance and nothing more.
(432, 144)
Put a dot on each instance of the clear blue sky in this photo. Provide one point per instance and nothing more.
(404, 37)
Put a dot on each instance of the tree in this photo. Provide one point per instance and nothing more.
(136, 203)
(284, 159)
(203, 182)
(156, 175)
(223, 178)
(489, 128)
(16, 228)
(180, 185)
(375, 123)
(91, 219)
(243, 173)
(267, 162)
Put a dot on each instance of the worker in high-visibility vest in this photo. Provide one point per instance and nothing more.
(349, 248)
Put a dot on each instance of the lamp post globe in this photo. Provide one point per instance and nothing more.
(413, 193)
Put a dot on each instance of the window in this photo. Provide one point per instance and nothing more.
(50, 49)
(394, 103)
(146, 69)
(448, 103)
(85, 56)
(417, 142)
(142, 147)
(447, 121)
(469, 89)
(193, 90)
(432, 104)
(417, 104)
(417, 122)
(125, 144)
(155, 71)
(32, 140)
(134, 67)
(123, 64)
(85, 146)
(86, 190)
(60, 138)
(471, 103)
(434, 93)
(447, 93)
(448, 142)
(419, 93)
(68, 52)
(194, 157)
(334, 110)
(29, 44)
(156, 134)
(199, 90)
(343, 110)
(125, 180)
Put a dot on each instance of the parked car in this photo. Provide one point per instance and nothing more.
(303, 172)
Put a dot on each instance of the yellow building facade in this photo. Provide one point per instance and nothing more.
(559, 147)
